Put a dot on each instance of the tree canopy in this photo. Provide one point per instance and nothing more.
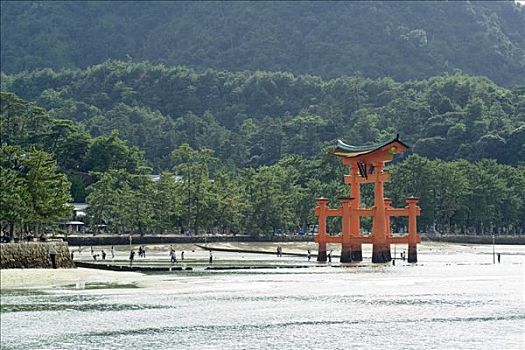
(269, 191)
(403, 40)
(255, 118)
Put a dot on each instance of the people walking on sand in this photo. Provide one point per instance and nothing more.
(52, 255)
(140, 251)
(131, 257)
(173, 256)
(211, 257)
(182, 255)
(499, 258)
(143, 251)
(309, 255)
(103, 254)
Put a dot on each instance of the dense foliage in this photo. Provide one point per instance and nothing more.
(29, 127)
(246, 152)
(402, 40)
(459, 196)
(254, 119)
(33, 191)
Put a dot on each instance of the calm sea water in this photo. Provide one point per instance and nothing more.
(453, 299)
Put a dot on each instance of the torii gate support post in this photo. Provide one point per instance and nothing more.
(388, 205)
(381, 244)
(322, 212)
(412, 229)
(355, 223)
(347, 217)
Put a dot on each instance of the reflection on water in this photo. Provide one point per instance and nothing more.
(450, 300)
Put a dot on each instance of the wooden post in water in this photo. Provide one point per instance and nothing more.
(381, 246)
(412, 229)
(346, 247)
(322, 212)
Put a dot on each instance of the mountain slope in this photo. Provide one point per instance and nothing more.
(408, 40)
(255, 117)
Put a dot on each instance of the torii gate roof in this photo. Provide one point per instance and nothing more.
(393, 146)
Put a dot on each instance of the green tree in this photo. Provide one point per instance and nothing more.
(110, 152)
(272, 197)
(194, 166)
(35, 192)
(14, 199)
(167, 202)
(123, 201)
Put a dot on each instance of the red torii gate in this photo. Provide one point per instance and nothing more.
(366, 164)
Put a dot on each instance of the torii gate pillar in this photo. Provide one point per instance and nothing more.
(412, 229)
(381, 246)
(322, 237)
(347, 218)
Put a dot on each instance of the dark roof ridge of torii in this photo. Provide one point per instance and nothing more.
(343, 147)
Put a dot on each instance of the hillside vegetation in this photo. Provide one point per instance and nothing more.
(198, 191)
(253, 119)
(236, 105)
(401, 40)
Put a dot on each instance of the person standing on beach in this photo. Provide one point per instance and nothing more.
(131, 257)
(182, 255)
(499, 258)
(52, 255)
(309, 254)
(112, 252)
(173, 256)
(211, 257)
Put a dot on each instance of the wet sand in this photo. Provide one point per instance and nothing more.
(429, 253)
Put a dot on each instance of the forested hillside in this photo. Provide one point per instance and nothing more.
(197, 191)
(402, 40)
(240, 102)
(253, 119)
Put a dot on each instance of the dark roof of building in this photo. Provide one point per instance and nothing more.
(346, 150)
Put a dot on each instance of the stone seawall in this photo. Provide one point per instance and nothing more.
(34, 255)
(86, 240)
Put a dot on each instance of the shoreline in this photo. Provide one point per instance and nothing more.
(108, 240)
(228, 257)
